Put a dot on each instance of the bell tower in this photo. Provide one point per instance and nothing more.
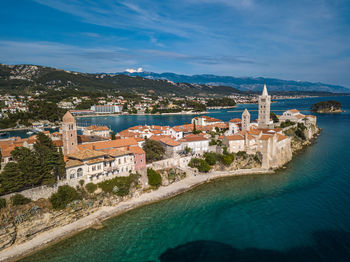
(245, 120)
(69, 134)
(264, 109)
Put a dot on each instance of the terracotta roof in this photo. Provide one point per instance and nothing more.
(58, 143)
(158, 138)
(300, 116)
(109, 144)
(193, 137)
(265, 137)
(96, 160)
(184, 128)
(86, 154)
(116, 152)
(73, 162)
(281, 137)
(234, 137)
(294, 110)
(208, 118)
(219, 125)
(137, 150)
(169, 141)
(98, 128)
(236, 120)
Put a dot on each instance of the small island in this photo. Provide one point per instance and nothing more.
(330, 106)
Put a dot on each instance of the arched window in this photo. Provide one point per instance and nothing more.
(80, 172)
(72, 174)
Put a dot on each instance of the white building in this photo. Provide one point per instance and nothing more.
(106, 109)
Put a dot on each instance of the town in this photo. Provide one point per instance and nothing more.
(81, 172)
(96, 155)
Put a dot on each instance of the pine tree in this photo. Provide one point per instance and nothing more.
(11, 179)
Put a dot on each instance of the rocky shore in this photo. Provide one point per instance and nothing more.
(47, 228)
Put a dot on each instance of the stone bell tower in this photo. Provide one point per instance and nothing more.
(245, 120)
(264, 110)
(69, 134)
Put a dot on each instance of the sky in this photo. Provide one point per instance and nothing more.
(306, 40)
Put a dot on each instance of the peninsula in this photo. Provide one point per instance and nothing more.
(90, 177)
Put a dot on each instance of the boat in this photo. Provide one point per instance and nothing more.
(4, 133)
(30, 133)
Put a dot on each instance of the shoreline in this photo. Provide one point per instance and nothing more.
(57, 234)
(148, 114)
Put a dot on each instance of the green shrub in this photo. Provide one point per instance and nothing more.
(227, 159)
(118, 185)
(2, 202)
(19, 199)
(287, 123)
(204, 166)
(91, 187)
(200, 164)
(210, 158)
(64, 195)
(154, 178)
(194, 162)
(241, 154)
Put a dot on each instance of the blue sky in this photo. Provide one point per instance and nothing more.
(297, 39)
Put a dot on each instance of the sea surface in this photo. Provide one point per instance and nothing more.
(298, 214)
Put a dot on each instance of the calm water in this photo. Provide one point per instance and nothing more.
(299, 214)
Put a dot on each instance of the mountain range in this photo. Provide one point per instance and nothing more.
(244, 83)
(26, 79)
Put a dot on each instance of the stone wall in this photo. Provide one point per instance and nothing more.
(170, 163)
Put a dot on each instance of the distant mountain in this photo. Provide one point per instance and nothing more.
(20, 79)
(244, 83)
(26, 79)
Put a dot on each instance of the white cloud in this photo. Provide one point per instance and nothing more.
(130, 70)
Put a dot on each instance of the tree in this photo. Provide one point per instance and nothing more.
(154, 178)
(29, 166)
(91, 187)
(187, 150)
(11, 178)
(51, 160)
(113, 135)
(64, 195)
(154, 150)
(125, 107)
(274, 117)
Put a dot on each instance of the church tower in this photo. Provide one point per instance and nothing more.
(69, 134)
(264, 109)
(245, 120)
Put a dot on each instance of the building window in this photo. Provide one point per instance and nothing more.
(80, 172)
(72, 174)
(93, 168)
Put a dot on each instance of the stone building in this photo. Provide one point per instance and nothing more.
(102, 131)
(69, 134)
(264, 110)
(269, 142)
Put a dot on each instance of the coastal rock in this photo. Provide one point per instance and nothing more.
(7, 235)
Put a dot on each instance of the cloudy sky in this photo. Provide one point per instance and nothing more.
(296, 39)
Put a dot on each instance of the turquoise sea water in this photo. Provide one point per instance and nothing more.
(299, 214)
